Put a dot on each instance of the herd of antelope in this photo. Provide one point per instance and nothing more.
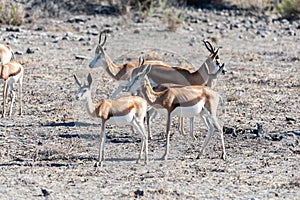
(153, 86)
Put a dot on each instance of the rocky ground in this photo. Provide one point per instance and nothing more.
(50, 151)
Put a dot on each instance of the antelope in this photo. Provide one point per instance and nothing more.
(164, 86)
(127, 110)
(187, 101)
(6, 54)
(120, 73)
(12, 72)
(161, 72)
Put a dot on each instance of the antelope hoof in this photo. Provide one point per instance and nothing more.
(98, 164)
(224, 156)
(199, 155)
(164, 158)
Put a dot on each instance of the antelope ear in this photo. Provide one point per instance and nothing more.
(77, 80)
(141, 60)
(90, 80)
(100, 38)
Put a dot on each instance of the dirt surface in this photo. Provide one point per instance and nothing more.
(50, 151)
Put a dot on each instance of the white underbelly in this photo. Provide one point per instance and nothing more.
(122, 120)
(189, 111)
(13, 79)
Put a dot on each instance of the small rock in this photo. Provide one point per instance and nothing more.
(259, 130)
(41, 28)
(29, 51)
(77, 20)
(194, 20)
(137, 31)
(229, 130)
(13, 29)
(291, 33)
(290, 118)
(79, 57)
(46, 192)
(18, 53)
(210, 31)
(275, 136)
(139, 193)
(193, 39)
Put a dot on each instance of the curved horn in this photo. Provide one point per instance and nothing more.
(100, 38)
(77, 80)
(208, 46)
(215, 53)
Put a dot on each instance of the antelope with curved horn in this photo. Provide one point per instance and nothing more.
(12, 72)
(164, 86)
(129, 110)
(161, 72)
(120, 73)
(187, 101)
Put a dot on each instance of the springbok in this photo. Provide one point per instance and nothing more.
(120, 73)
(161, 72)
(129, 110)
(187, 101)
(6, 54)
(164, 86)
(12, 72)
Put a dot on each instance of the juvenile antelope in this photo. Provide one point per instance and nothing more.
(130, 110)
(6, 54)
(12, 72)
(187, 101)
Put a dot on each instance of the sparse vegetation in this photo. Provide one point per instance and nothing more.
(11, 13)
(173, 20)
(289, 9)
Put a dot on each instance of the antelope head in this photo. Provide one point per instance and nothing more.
(99, 52)
(84, 91)
(213, 62)
(137, 80)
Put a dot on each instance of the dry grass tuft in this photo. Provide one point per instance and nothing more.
(11, 13)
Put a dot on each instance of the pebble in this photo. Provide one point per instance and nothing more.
(137, 31)
(29, 51)
(46, 192)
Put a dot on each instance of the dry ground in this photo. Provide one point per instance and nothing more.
(49, 152)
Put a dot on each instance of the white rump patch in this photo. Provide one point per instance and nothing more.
(189, 111)
(122, 120)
